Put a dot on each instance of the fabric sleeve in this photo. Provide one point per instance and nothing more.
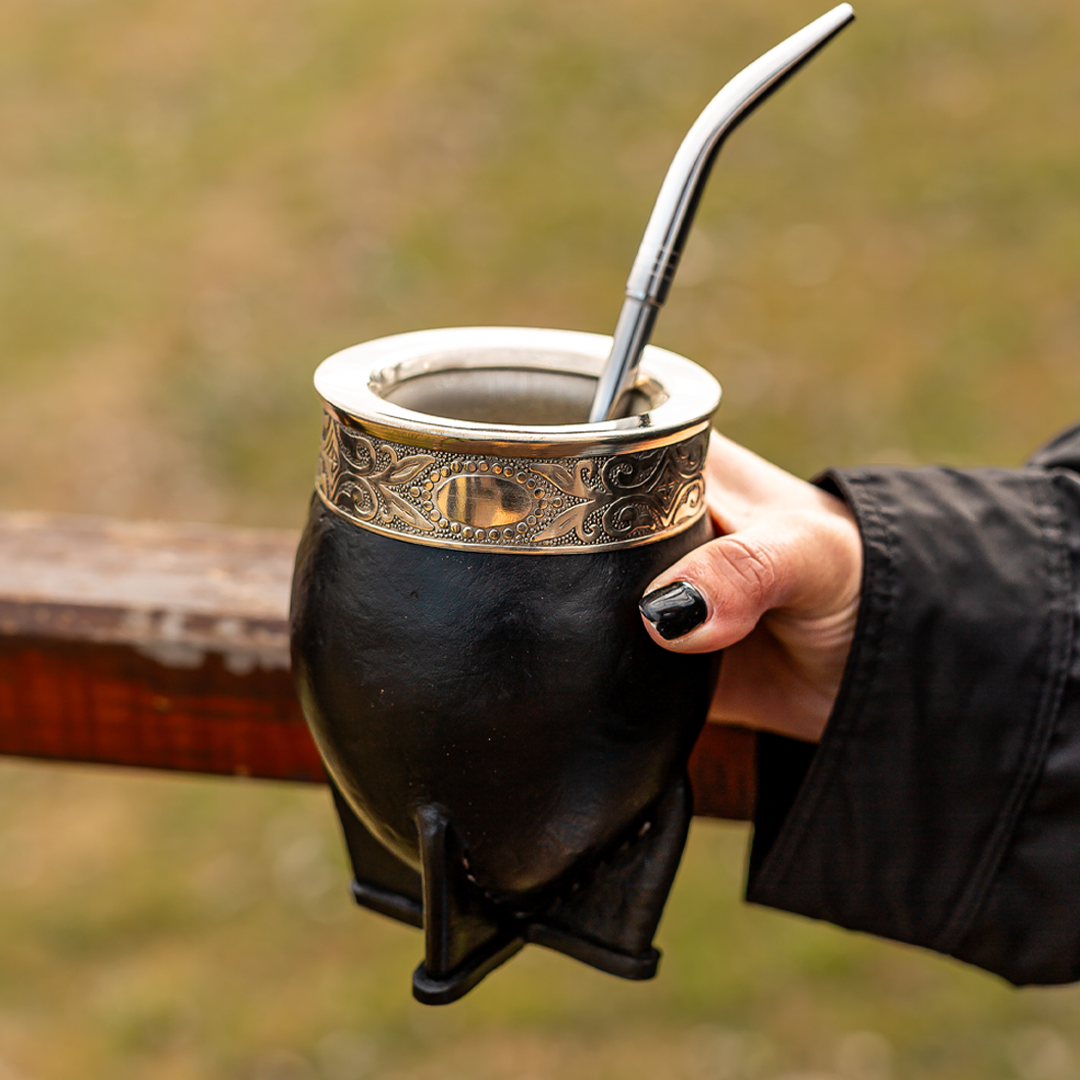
(942, 806)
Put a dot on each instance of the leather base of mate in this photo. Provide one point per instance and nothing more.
(499, 727)
(605, 917)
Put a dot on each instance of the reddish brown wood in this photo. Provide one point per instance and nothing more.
(723, 772)
(80, 701)
(165, 646)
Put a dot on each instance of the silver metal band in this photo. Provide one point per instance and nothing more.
(515, 504)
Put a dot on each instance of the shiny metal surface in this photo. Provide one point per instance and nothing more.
(500, 503)
(493, 475)
(517, 391)
(673, 213)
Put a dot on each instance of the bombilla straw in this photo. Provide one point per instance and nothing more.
(665, 235)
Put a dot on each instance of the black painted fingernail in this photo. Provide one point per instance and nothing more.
(674, 609)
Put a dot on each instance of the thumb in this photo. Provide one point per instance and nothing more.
(715, 595)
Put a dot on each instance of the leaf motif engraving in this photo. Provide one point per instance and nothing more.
(330, 458)
(408, 468)
(357, 475)
(395, 506)
(570, 520)
(567, 481)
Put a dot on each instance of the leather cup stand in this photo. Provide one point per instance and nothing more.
(605, 916)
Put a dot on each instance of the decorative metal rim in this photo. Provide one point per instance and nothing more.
(498, 487)
(495, 502)
(684, 396)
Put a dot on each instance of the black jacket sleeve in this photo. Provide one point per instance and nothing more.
(942, 806)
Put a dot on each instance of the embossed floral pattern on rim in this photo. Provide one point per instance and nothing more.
(589, 503)
(435, 480)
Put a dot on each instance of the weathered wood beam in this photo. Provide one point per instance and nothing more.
(165, 646)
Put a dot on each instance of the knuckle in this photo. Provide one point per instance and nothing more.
(752, 565)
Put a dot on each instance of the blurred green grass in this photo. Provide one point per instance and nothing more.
(182, 928)
(198, 202)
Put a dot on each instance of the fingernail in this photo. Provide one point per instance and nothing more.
(674, 609)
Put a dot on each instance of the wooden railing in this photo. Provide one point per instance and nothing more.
(165, 646)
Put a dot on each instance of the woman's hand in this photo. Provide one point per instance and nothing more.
(778, 591)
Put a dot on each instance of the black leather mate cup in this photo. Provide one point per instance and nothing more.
(506, 745)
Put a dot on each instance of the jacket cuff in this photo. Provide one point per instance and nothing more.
(903, 822)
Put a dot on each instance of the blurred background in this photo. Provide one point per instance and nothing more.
(201, 200)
